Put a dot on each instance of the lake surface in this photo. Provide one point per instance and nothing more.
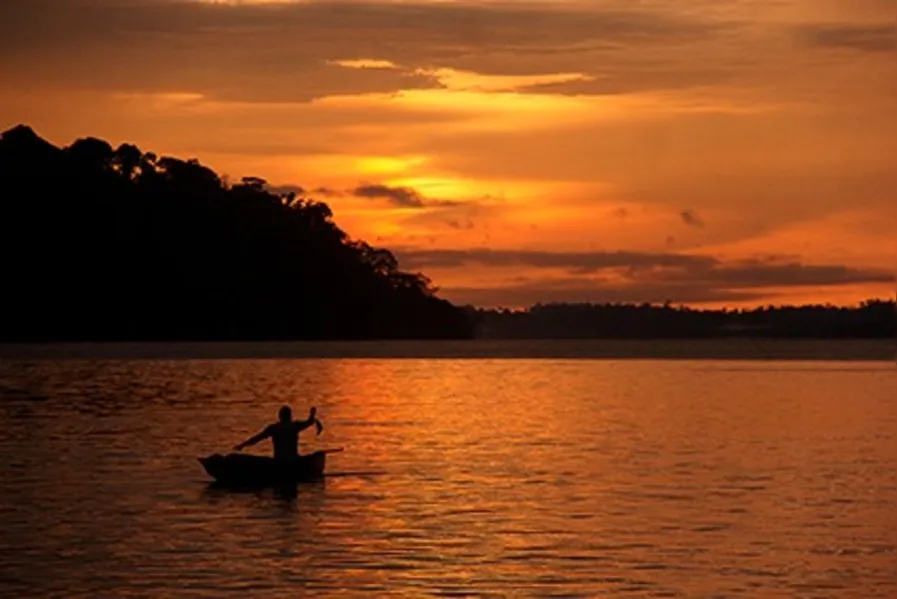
(480, 477)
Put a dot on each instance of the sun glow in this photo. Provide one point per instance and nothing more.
(440, 187)
(365, 63)
(387, 165)
(471, 81)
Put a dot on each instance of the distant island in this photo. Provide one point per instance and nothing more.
(873, 319)
(117, 244)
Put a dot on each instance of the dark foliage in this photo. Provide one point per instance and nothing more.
(873, 319)
(103, 243)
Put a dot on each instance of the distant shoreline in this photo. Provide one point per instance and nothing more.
(878, 350)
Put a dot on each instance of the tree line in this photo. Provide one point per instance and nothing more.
(872, 319)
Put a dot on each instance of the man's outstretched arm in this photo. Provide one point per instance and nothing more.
(312, 419)
(254, 439)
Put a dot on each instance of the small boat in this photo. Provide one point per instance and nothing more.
(242, 469)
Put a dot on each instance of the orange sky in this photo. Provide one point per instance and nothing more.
(700, 151)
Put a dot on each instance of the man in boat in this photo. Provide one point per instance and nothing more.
(285, 433)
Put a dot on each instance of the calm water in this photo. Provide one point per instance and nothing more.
(460, 477)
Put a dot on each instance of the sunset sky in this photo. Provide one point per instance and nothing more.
(708, 152)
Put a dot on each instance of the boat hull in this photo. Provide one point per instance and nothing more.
(240, 469)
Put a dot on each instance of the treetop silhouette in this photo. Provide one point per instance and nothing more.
(106, 243)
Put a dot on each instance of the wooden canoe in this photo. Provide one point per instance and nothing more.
(242, 469)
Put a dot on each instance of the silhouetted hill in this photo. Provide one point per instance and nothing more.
(873, 319)
(119, 244)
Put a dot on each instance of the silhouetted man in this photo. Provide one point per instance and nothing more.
(285, 433)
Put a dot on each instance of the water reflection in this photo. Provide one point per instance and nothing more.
(312, 493)
(486, 477)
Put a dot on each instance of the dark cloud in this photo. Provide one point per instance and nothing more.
(691, 218)
(644, 269)
(764, 274)
(276, 53)
(582, 262)
(299, 190)
(871, 38)
(287, 52)
(638, 277)
(405, 197)
(327, 192)
(280, 189)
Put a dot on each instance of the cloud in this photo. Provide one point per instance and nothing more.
(284, 189)
(691, 218)
(300, 51)
(743, 275)
(868, 38)
(653, 267)
(241, 52)
(631, 276)
(582, 262)
(327, 192)
(405, 197)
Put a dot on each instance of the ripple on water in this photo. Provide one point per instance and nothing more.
(497, 478)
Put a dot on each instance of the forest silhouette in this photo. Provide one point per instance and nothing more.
(116, 244)
(119, 244)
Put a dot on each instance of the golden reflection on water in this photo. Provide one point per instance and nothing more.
(487, 477)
